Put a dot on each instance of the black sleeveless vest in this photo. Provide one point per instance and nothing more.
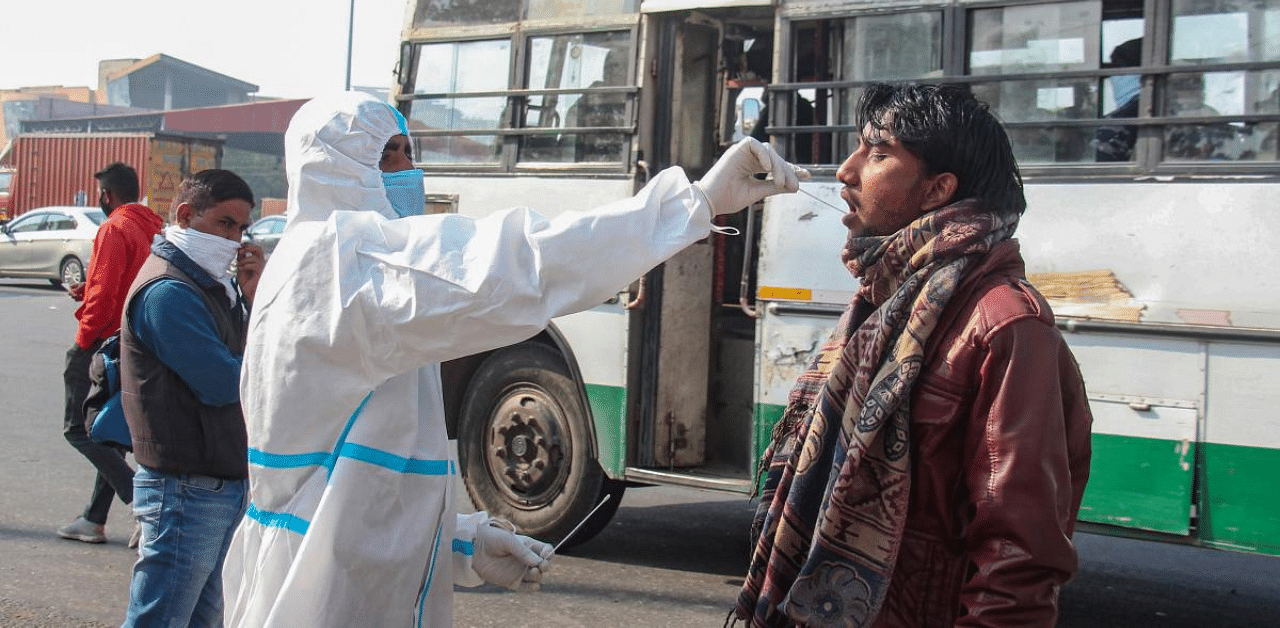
(172, 431)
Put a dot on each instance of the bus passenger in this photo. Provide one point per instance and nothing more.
(930, 462)
(1115, 142)
(351, 520)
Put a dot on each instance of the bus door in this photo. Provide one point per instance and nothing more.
(693, 343)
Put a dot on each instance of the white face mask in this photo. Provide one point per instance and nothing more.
(212, 253)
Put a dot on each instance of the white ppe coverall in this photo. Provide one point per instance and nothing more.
(352, 519)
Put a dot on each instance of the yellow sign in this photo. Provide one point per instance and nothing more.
(786, 294)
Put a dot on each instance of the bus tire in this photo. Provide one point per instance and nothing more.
(524, 446)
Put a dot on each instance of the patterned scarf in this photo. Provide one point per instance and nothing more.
(835, 498)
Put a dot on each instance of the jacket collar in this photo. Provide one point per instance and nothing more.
(1005, 257)
(167, 251)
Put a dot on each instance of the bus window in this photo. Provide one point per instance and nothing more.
(1222, 32)
(1058, 37)
(1121, 93)
(1076, 82)
(1052, 104)
(448, 71)
(861, 48)
(580, 61)
(872, 50)
(455, 12)
(572, 103)
(551, 9)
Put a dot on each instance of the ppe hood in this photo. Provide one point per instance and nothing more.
(332, 148)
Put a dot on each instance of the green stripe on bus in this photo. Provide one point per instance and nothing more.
(1240, 504)
(609, 411)
(767, 415)
(1141, 483)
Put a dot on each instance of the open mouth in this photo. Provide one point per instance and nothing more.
(847, 197)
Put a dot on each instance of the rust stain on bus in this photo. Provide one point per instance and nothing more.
(1091, 293)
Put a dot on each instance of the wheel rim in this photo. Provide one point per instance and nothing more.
(71, 272)
(527, 447)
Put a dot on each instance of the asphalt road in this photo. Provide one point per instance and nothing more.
(670, 557)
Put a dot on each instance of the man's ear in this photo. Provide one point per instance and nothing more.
(938, 190)
(182, 215)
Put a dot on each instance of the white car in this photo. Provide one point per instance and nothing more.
(52, 243)
(266, 233)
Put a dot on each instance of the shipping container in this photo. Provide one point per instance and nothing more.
(57, 169)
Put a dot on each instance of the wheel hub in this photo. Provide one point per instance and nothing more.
(527, 446)
(70, 273)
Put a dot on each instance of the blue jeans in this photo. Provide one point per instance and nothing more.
(187, 523)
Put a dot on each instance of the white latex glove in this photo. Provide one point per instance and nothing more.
(731, 184)
(510, 560)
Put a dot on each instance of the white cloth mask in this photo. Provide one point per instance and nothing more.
(212, 253)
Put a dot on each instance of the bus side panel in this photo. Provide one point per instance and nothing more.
(1240, 503)
(766, 417)
(1144, 393)
(1155, 252)
(785, 345)
(608, 406)
(1142, 483)
(798, 268)
(599, 341)
(1241, 510)
(800, 244)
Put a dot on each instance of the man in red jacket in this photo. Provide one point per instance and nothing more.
(930, 463)
(122, 244)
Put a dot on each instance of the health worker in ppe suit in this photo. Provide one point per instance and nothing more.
(351, 520)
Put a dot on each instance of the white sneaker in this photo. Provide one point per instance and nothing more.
(83, 530)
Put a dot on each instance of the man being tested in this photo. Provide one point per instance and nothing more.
(352, 519)
(928, 468)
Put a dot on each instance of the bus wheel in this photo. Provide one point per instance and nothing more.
(525, 447)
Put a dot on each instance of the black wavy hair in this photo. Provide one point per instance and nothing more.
(207, 188)
(950, 131)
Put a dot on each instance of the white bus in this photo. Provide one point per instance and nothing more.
(1146, 131)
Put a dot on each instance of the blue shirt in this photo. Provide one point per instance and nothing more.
(170, 318)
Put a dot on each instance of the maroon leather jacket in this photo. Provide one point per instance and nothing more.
(1000, 456)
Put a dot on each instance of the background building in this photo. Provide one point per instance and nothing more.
(157, 82)
(157, 103)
